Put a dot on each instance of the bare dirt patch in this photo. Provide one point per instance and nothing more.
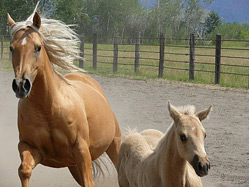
(143, 104)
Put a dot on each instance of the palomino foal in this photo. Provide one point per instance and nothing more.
(178, 159)
(63, 121)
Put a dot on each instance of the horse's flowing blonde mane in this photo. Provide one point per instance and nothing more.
(60, 41)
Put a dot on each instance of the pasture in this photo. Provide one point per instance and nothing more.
(234, 62)
(143, 104)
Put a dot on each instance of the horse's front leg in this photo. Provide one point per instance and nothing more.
(84, 162)
(29, 159)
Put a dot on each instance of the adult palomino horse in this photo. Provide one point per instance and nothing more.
(176, 159)
(63, 121)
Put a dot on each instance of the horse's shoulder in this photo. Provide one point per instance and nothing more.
(86, 79)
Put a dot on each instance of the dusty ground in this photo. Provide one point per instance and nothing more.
(142, 104)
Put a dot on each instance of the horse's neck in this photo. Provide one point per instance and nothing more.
(45, 88)
(172, 167)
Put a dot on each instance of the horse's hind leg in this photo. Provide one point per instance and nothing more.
(75, 173)
(30, 158)
(113, 149)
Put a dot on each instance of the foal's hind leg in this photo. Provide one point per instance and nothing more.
(30, 158)
(113, 149)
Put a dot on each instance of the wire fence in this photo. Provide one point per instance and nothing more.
(219, 61)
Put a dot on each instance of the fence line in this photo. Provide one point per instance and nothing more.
(164, 55)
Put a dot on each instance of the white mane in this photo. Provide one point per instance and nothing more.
(60, 41)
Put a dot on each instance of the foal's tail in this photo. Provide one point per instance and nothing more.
(128, 132)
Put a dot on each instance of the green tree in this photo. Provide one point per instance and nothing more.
(19, 10)
(212, 21)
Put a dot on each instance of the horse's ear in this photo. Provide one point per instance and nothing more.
(11, 22)
(204, 114)
(173, 112)
(37, 20)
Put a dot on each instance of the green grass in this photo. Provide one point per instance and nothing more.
(126, 65)
(5, 62)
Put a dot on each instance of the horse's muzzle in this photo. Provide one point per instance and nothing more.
(21, 88)
(201, 167)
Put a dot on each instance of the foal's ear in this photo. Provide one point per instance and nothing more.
(37, 20)
(11, 22)
(204, 114)
(173, 112)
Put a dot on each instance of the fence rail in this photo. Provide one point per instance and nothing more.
(165, 57)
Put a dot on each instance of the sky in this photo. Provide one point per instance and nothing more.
(229, 10)
(232, 10)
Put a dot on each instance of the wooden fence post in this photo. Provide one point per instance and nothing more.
(192, 57)
(217, 59)
(95, 50)
(161, 60)
(2, 41)
(137, 54)
(115, 53)
(82, 46)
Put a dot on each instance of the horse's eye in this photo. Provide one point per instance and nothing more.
(205, 135)
(183, 137)
(38, 49)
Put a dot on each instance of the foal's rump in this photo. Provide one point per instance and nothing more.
(133, 151)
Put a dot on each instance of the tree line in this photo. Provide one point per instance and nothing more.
(127, 18)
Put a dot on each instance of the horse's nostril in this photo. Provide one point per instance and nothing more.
(26, 85)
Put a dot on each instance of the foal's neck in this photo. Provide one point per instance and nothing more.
(172, 167)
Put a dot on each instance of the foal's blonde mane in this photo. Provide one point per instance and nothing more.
(187, 109)
(60, 41)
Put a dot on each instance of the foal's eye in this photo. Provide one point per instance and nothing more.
(183, 137)
(38, 48)
(205, 135)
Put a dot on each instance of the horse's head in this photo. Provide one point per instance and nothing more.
(190, 136)
(27, 50)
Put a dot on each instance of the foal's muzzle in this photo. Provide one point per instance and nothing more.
(201, 167)
(22, 87)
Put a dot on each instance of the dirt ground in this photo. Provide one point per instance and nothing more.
(143, 104)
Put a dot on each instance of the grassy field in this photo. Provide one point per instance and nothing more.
(149, 61)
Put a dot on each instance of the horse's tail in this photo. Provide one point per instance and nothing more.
(100, 166)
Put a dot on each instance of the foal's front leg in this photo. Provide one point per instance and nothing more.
(29, 159)
(84, 162)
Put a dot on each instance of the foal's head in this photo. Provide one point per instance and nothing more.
(27, 50)
(190, 136)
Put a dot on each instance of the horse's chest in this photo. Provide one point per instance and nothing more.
(52, 136)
